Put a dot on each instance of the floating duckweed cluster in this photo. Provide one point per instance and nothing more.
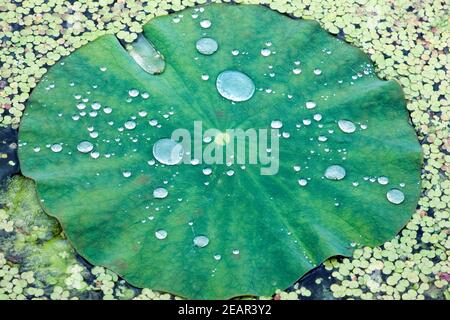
(408, 41)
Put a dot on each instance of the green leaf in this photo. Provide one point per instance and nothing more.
(269, 230)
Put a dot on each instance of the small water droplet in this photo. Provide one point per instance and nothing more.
(95, 155)
(395, 196)
(230, 173)
(205, 77)
(236, 252)
(56, 147)
(205, 24)
(297, 71)
(297, 168)
(161, 234)
(276, 124)
(107, 110)
(235, 86)
(265, 52)
(335, 172)
(207, 46)
(346, 126)
(130, 125)
(302, 182)
(126, 174)
(207, 171)
(85, 146)
(235, 52)
(160, 193)
(168, 152)
(383, 180)
(317, 72)
(217, 257)
(133, 93)
(201, 241)
(310, 105)
(37, 149)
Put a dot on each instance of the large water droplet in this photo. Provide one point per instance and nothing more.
(207, 46)
(85, 146)
(235, 86)
(168, 152)
(161, 234)
(335, 172)
(160, 193)
(346, 126)
(395, 196)
(201, 241)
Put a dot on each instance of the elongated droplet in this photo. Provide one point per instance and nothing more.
(201, 241)
(160, 193)
(235, 86)
(161, 234)
(335, 172)
(207, 46)
(168, 152)
(146, 56)
(395, 196)
(85, 146)
(346, 126)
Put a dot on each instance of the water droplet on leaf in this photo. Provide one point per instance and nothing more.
(168, 152)
(85, 146)
(207, 46)
(335, 172)
(235, 86)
